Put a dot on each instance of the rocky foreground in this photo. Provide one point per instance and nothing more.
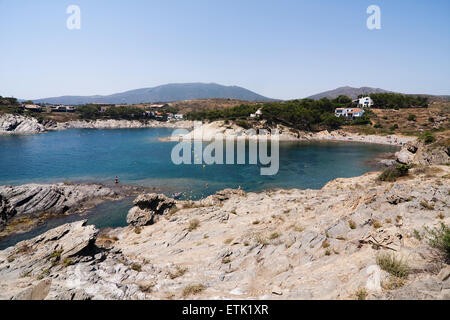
(278, 244)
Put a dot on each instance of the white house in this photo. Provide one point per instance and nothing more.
(257, 114)
(178, 116)
(349, 113)
(364, 102)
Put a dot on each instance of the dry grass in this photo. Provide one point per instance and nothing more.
(377, 224)
(179, 273)
(274, 235)
(193, 224)
(193, 289)
(394, 266)
(136, 267)
(361, 294)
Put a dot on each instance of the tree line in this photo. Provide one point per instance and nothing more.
(397, 101)
(306, 114)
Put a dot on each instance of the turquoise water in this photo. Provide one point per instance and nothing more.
(137, 157)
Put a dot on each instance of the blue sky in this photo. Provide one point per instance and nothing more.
(278, 48)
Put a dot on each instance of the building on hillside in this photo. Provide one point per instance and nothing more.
(179, 116)
(105, 108)
(364, 102)
(62, 108)
(257, 114)
(33, 107)
(349, 113)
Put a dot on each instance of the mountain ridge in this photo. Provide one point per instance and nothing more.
(351, 92)
(163, 93)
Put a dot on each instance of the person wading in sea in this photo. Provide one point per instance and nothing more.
(116, 180)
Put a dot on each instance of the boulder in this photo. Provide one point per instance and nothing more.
(10, 123)
(404, 156)
(147, 209)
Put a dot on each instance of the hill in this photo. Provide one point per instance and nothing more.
(347, 91)
(163, 93)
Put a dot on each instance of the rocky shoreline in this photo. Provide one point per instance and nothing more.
(273, 244)
(276, 244)
(23, 207)
(219, 129)
(18, 124)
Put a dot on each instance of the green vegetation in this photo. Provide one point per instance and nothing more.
(427, 138)
(392, 173)
(412, 117)
(439, 238)
(389, 263)
(394, 127)
(397, 101)
(91, 111)
(68, 262)
(303, 114)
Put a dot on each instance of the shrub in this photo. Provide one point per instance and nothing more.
(377, 125)
(193, 289)
(244, 124)
(377, 224)
(426, 205)
(427, 138)
(439, 238)
(193, 224)
(389, 263)
(412, 117)
(431, 119)
(361, 294)
(68, 262)
(394, 127)
(392, 173)
(352, 224)
(274, 235)
(136, 267)
(180, 272)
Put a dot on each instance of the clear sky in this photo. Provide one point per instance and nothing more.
(277, 48)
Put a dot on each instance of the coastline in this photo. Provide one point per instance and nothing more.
(220, 130)
(274, 244)
(18, 124)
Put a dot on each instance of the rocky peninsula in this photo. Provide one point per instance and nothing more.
(220, 129)
(18, 124)
(23, 207)
(333, 243)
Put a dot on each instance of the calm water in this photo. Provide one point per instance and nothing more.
(137, 157)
